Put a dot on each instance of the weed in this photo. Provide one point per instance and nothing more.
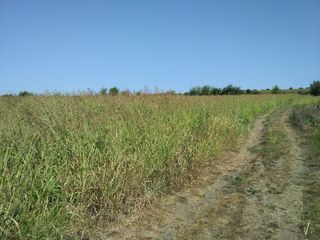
(238, 180)
(307, 120)
(252, 191)
(68, 162)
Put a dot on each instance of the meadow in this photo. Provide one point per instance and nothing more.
(307, 120)
(312, 195)
(69, 162)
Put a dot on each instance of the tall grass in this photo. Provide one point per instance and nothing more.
(312, 197)
(307, 120)
(67, 162)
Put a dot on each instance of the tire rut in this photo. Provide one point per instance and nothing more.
(243, 197)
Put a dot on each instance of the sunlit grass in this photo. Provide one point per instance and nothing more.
(307, 120)
(67, 162)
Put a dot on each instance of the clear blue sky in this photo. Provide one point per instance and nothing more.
(70, 45)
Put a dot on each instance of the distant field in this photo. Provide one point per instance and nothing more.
(68, 162)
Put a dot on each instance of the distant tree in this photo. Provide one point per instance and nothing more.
(255, 91)
(231, 90)
(7, 95)
(194, 91)
(315, 88)
(215, 91)
(275, 90)
(25, 94)
(248, 91)
(205, 90)
(103, 91)
(113, 91)
(290, 88)
(208, 90)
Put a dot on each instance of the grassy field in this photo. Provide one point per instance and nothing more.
(70, 162)
(308, 121)
(313, 200)
(312, 197)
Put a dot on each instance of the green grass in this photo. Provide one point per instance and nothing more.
(313, 194)
(274, 144)
(68, 163)
(308, 121)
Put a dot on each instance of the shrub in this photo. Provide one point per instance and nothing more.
(113, 91)
(315, 88)
(69, 163)
(275, 90)
(215, 91)
(205, 90)
(194, 91)
(231, 90)
(103, 91)
(25, 94)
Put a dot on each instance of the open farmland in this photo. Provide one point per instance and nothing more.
(71, 163)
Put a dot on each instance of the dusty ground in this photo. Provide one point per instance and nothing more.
(255, 193)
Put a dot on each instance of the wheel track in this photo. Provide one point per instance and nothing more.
(217, 206)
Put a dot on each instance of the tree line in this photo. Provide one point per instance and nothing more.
(206, 90)
(313, 89)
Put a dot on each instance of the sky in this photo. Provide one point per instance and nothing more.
(72, 45)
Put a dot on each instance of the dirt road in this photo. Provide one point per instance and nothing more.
(255, 193)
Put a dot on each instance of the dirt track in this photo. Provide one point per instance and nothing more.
(247, 195)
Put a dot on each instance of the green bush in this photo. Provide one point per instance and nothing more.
(231, 90)
(103, 91)
(275, 90)
(315, 88)
(25, 94)
(113, 91)
(67, 162)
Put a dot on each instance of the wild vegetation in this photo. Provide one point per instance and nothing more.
(315, 88)
(206, 90)
(307, 120)
(230, 89)
(70, 162)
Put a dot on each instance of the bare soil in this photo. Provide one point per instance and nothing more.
(246, 195)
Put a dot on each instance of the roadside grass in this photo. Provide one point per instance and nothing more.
(307, 120)
(273, 146)
(68, 163)
(274, 143)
